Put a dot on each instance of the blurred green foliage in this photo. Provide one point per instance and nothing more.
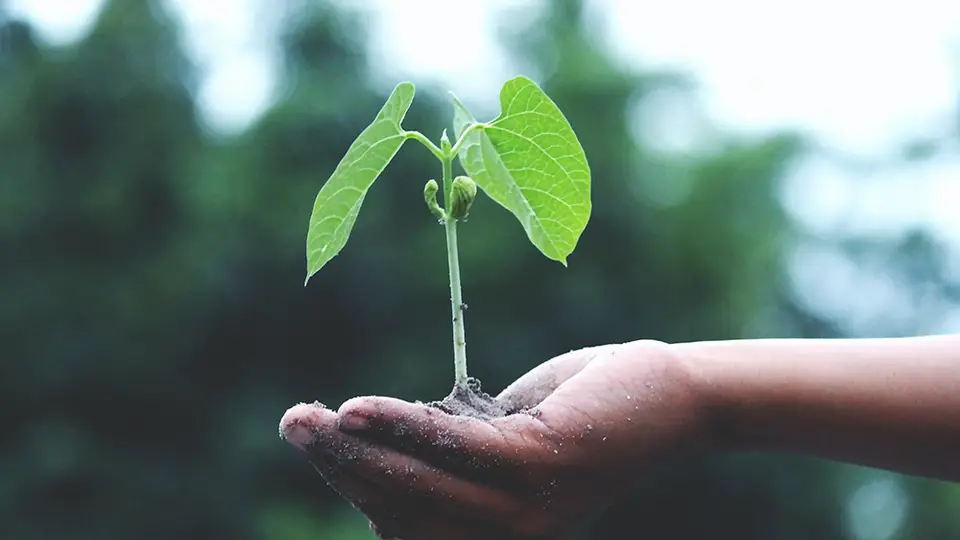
(154, 324)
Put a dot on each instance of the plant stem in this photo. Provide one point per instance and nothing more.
(463, 136)
(416, 135)
(456, 296)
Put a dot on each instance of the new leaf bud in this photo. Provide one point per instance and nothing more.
(463, 193)
(430, 197)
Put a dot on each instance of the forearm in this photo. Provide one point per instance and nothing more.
(886, 403)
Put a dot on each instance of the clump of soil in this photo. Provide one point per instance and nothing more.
(472, 402)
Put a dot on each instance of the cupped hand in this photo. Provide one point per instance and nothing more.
(583, 428)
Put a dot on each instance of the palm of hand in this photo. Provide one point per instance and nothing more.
(420, 474)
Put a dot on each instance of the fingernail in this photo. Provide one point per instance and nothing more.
(354, 422)
(298, 425)
(299, 436)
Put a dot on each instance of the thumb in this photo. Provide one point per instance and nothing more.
(537, 384)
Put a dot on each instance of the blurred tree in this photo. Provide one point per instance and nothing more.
(98, 140)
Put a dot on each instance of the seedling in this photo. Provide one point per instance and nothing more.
(528, 160)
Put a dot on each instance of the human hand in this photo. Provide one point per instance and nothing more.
(583, 428)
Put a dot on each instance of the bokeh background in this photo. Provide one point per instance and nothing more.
(760, 170)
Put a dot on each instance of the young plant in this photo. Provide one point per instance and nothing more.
(528, 160)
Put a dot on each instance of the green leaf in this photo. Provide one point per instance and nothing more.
(529, 160)
(338, 203)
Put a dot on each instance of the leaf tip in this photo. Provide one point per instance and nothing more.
(311, 271)
(456, 101)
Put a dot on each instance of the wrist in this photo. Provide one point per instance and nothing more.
(881, 402)
(717, 410)
(687, 409)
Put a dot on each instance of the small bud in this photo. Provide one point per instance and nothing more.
(430, 197)
(445, 142)
(462, 195)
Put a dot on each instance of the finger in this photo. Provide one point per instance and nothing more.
(497, 453)
(389, 485)
(311, 428)
(532, 388)
(410, 500)
(359, 492)
(304, 424)
(395, 517)
(392, 518)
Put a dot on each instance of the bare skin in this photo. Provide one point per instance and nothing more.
(603, 415)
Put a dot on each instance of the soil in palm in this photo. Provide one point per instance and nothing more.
(471, 401)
